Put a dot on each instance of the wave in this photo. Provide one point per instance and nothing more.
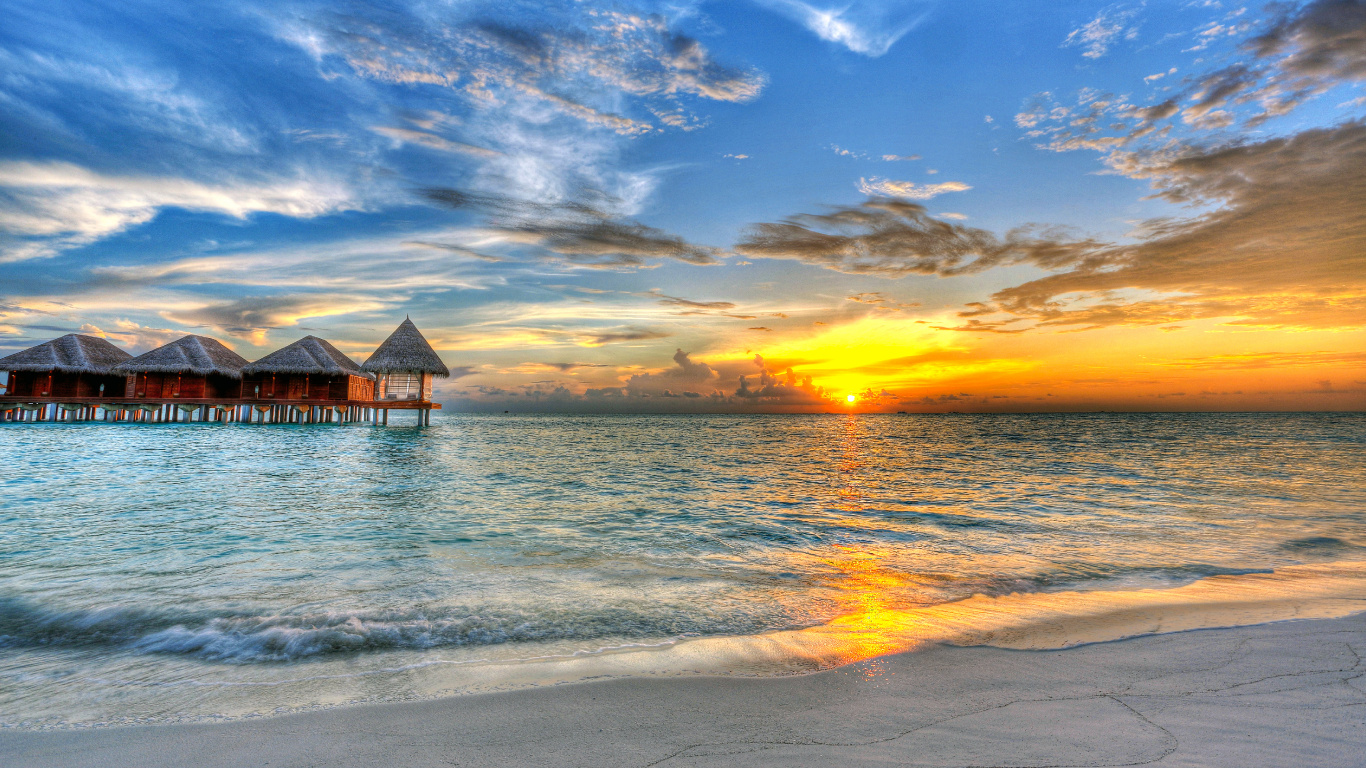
(243, 637)
(246, 637)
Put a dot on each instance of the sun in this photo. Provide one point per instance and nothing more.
(850, 399)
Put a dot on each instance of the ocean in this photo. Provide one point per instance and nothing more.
(185, 572)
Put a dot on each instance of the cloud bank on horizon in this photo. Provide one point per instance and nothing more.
(695, 206)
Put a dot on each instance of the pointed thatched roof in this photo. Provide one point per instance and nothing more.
(307, 355)
(199, 355)
(406, 351)
(72, 353)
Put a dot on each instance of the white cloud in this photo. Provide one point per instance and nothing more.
(68, 205)
(147, 97)
(432, 141)
(908, 190)
(133, 336)
(391, 265)
(869, 27)
(1097, 35)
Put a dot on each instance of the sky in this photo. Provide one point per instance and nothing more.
(746, 206)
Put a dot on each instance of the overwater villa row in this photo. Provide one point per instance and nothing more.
(196, 378)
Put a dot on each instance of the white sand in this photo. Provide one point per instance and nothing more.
(1284, 694)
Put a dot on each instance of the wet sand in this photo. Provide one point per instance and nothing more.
(1284, 694)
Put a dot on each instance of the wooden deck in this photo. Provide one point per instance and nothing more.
(218, 410)
(132, 402)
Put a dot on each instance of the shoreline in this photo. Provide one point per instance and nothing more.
(1285, 693)
(1030, 621)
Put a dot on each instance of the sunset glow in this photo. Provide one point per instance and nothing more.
(1057, 212)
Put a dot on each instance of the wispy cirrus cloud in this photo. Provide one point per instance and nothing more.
(1298, 53)
(431, 141)
(1097, 35)
(133, 336)
(1262, 360)
(559, 58)
(47, 206)
(908, 190)
(252, 318)
(537, 100)
(868, 27)
(616, 336)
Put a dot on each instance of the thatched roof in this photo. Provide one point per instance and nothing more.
(72, 353)
(406, 351)
(199, 355)
(307, 355)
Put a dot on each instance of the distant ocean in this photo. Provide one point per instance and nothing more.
(153, 573)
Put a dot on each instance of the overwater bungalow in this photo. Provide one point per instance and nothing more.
(405, 364)
(192, 367)
(309, 369)
(73, 366)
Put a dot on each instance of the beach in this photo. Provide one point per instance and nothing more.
(1283, 694)
(774, 383)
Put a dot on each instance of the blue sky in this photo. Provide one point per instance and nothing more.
(567, 197)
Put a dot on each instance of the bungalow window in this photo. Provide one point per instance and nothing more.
(403, 386)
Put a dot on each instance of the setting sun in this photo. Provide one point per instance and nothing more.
(851, 398)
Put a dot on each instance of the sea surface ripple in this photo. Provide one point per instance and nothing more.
(160, 572)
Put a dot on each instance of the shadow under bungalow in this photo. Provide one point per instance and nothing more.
(196, 378)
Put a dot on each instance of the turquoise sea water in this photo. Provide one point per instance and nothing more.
(164, 572)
